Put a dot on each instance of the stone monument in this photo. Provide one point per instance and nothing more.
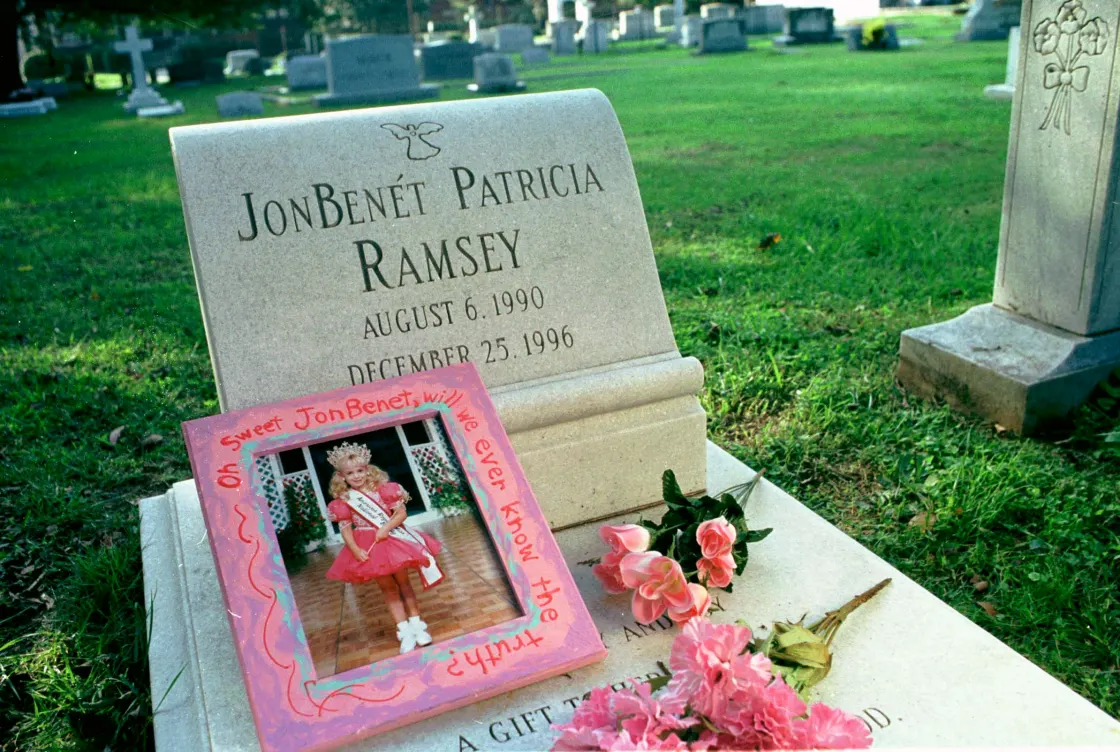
(513, 38)
(239, 104)
(991, 19)
(307, 72)
(808, 26)
(373, 69)
(494, 74)
(722, 35)
(664, 16)
(1052, 331)
(1006, 90)
(446, 60)
(242, 62)
(716, 10)
(764, 19)
(142, 96)
(563, 35)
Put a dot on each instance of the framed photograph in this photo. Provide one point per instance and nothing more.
(382, 557)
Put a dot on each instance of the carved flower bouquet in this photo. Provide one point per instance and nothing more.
(1069, 37)
(705, 543)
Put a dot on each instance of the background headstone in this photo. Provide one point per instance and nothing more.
(39, 106)
(307, 72)
(1052, 332)
(242, 62)
(763, 19)
(721, 35)
(991, 19)
(563, 37)
(596, 37)
(690, 31)
(494, 73)
(449, 60)
(513, 38)
(142, 96)
(716, 10)
(584, 375)
(373, 68)
(163, 110)
(808, 26)
(239, 104)
(635, 24)
(664, 16)
(1006, 90)
(535, 55)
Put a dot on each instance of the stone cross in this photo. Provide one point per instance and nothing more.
(472, 23)
(583, 10)
(1052, 332)
(135, 47)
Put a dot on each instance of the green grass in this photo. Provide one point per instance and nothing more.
(882, 172)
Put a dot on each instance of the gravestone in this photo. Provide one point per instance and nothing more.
(142, 96)
(239, 104)
(635, 24)
(690, 31)
(307, 72)
(563, 37)
(242, 62)
(449, 60)
(162, 110)
(535, 55)
(717, 10)
(1052, 331)
(991, 19)
(806, 565)
(1006, 90)
(472, 18)
(513, 38)
(372, 69)
(808, 26)
(584, 375)
(40, 106)
(722, 35)
(763, 19)
(596, 37)
(494, 74)
(664, 16)
(882, 38)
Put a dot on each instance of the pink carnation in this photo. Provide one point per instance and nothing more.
(715, 537)
(830, 728)
(709, 665)
(658, 583)
(593, 726)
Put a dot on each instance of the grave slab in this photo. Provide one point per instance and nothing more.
(961, 688)
(373, 69)
(239, 104)
(163, 110)
(39, 106)
(1056, 322)
(1006, 90)
(551, 292)
(494, 74)
(719, 35)
(307, 72)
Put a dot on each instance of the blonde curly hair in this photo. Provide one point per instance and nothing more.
(339, 488)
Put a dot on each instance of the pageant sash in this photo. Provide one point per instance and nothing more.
(430, 573)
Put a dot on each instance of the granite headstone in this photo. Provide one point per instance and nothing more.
(373, 69)
(239, 104)
(242, 62)
(564, 37)
(721, 35)
(449, 60)
(494, 73)
(513, 38)
(994, 19)
(307, 72)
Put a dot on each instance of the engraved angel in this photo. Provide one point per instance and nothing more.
(1068, 37)
(419, 148)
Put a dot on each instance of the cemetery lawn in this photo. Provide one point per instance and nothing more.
(882, 173)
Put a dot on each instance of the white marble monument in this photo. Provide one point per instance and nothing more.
(1006, 90)
(1052, 331)
(142, 96)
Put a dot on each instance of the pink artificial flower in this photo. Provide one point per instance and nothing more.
(830, 728)
(644, 717)
(715, 537)
(709, 665)
(701, 602)
(770, 716)
(716, 572)
(593, 726)
(607, 570)
(625, 538)
(659, 584)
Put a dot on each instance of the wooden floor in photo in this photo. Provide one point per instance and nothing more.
(349, 626)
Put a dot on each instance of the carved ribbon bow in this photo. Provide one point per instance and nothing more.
(1053, 76)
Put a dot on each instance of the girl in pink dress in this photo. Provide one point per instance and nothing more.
(370, 512)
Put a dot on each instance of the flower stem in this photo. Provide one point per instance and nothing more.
(830, 623)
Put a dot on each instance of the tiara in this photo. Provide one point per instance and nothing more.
(346, 451)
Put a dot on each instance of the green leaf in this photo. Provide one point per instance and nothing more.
(658, 682)
(671, 490)
(754, 536)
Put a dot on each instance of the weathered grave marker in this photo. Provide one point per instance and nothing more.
(494, 73)
(239, 104)
(372, 69)
(722, 35)
(307, 72)
(1053, 330)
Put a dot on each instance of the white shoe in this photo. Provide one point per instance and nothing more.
(420, 631)
(407, 635)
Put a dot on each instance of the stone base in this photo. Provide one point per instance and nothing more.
(423, 91)
(1004, 367)
(788, 41)
(163, 110)
(142, 99)
(1000, 91)
(496, 88)
(22, 109)
(805, 565)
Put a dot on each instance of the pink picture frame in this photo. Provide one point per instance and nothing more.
(292, 706)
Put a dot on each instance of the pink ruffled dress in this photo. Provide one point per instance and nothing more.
(385, 557)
